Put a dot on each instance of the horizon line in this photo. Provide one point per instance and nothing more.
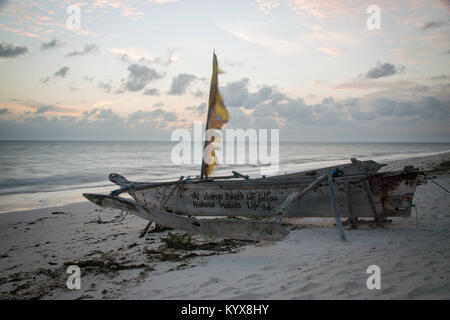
(138, 140)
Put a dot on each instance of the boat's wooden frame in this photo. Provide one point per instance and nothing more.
(354, 190)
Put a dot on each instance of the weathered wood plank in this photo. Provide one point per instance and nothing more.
(163, 203)
(348, 198)
(335, 209)
(222, 228)
(295, 197)
(371, 201)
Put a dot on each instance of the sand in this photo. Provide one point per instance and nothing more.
(37, 246)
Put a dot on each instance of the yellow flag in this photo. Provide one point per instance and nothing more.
(217, 114)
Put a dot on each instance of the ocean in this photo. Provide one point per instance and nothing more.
(38, 174)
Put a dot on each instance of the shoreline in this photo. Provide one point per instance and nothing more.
(310, 263)
(424, 163)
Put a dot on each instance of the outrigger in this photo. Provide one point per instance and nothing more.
(354, 190)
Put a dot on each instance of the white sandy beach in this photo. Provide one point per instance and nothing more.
(311, 263)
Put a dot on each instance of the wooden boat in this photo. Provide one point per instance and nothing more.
(353, 190)
(358, 192)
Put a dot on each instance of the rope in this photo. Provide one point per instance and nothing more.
(432, 180)
(426, 179)
(239, 175)
(414, 205)
(119, 191)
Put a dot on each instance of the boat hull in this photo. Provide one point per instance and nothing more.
(391, 192)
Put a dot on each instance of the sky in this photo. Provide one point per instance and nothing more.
(319, 70)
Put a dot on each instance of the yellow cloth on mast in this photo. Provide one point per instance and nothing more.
(217, 112)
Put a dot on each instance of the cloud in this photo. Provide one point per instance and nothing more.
(139, 76)
(106, 86)
(45, 109)
(263, 95)
(153, 115)
(3, 3)
(230, 63)
(350, 102)
(315, 14)
(376, 118)
(102, 124)
(199, 109)
(151, 92)
(4, 111)
(61, 72)
(266, 6)
(358, 115)
(433, 25)
(162, 1)
(290, 111)
(106, 114)
(170, 57)
(51, 44)
(425, 107)
(127, 8)
(135, 55)
(268, 108)
(383, 70)
(273, 43)
(236, 94)
(180, 83)
(199, 93)
(87, 49)
(369, 85)
(10, 50)
(331, 51)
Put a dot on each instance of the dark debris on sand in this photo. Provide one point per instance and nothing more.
(175, 246)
